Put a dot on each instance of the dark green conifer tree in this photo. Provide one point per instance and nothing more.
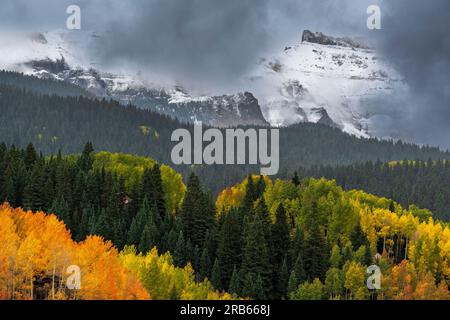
(216, 278)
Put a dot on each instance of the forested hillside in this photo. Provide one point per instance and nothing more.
(37, 249)
(43, 86)
(184, 233)
(422, 183)
(56, 123)
(263, 239)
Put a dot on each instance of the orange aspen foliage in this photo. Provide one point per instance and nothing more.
(36, 251)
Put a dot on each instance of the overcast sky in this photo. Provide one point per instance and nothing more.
(211, 43)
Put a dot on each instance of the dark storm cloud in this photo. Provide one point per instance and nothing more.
(210, 44)
(416, 39)
(193, 40)
(44, 15)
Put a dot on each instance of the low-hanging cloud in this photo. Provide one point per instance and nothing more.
(208, 45)
(204, 44)
(416, 39)
(189, 41)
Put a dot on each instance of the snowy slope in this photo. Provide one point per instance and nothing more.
(61, 55)
(321, 76)
(339, 82)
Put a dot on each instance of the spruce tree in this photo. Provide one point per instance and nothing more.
(235, 282)
(179, 254)
(216, 275)
(250, 194)
(61, 209)
(280, 237)
(205, 265)
(256, 259)
(292, 283)
(138, 224)
(190, 204)
(149, 237)
(158, 190)
(33, 197)
(281, 281)
(296, 179)
(229, 244)
(316, 255)
(30, 156)
(298, 274)
(253, 286)
(197, 212)
(86, 160)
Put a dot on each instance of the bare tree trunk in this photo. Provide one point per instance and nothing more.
(13, 283)
(53, 281)
(31, 282)
(406, 248)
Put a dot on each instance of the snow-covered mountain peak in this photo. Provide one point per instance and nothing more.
(341, 77)
(336, 81)
(320, 38)
(63, 55)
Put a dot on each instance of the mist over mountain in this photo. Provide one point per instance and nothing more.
(211, 48)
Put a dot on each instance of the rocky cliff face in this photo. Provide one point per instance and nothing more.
(52, 55)
(320, 38)
(337, 81)
(322, 79)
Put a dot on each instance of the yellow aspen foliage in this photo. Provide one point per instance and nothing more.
(164, 281)
(234, 196)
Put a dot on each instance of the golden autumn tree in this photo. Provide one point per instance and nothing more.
(38, 250)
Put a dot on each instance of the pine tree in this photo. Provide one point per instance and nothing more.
(316, 254)
(235, 282)
(197, 212)
(152, 189)
(280, 237)
(205, 265)
(190, 204)
(281, 281)
(296, 179)
(260, 187)
(158, 196)
(250, 194)
(30, 156)
(149, 237)
(33, 197)
(357, 237)
(105, 225)
(84, 228)
(253, 286)
(138, 224)
(216, 275)
(61, 209)
(292, 283)
(296, 246)
(256, 259)
(179, 254)
(86, 160)
(229, 244)
(297, 275)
